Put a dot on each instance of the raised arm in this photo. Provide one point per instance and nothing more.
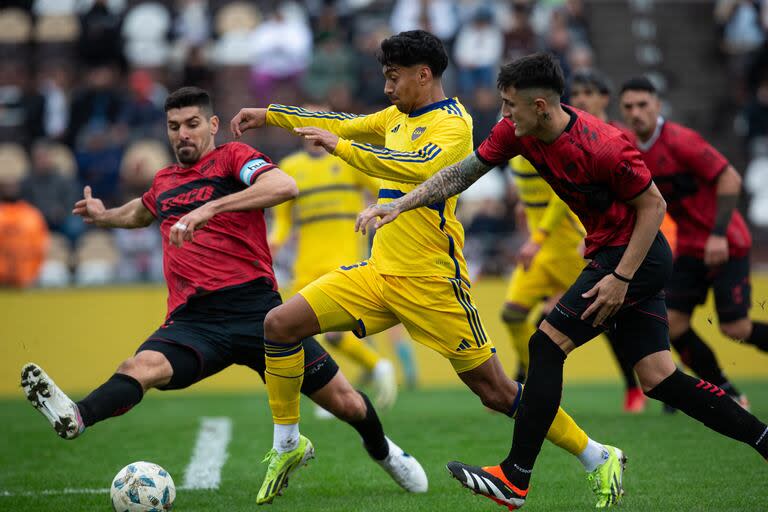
(447, 183)
(269, 189)
(370, 128)
(132, 214)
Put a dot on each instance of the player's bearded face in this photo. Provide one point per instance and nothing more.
(640, 109)
(191, 133)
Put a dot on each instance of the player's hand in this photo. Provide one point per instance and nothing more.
(527, 252)
(319, 137)
(89, 208)
(387, 213)
(609, 295)
(184, 229)
(716, 250)
(247, 119)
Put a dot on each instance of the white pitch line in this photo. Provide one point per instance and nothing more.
(49, 492)
(209, 454)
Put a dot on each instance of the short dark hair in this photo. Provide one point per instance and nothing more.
(190, 97)
(414, 47)
(535, 71)
(592, 78)
(638, 83)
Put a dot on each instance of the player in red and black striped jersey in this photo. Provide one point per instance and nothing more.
(218, 268)
(702, 191)
(595, 169)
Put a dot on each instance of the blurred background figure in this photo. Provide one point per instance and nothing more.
(23, 232)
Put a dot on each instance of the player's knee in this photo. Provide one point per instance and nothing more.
(149, 367)
(543, 348)
(678, 324)
(738, 330)
(278, 327)
(513, 313)
(333, 338)
(347, 405)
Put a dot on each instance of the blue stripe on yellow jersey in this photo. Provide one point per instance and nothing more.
(403, 150)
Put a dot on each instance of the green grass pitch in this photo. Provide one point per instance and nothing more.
(675, 464)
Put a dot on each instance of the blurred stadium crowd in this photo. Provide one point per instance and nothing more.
(82, 85)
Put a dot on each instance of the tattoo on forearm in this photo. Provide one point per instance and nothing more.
(726, 203)
(446, 183)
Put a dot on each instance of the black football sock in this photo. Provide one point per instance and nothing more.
(371, 431)
(713, 407)
(759, 336)
(627, 370)
(537, 408)
(113, 398)
(697, 356)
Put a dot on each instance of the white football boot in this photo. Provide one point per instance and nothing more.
(404, 469)
(45, 396)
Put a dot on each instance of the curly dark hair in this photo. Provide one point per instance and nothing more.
(414, 47)
(190, 97)
(535, 71)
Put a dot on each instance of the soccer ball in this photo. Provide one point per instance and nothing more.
(142, 487)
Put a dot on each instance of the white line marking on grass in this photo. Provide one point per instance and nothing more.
(209, 455)
(49, 492)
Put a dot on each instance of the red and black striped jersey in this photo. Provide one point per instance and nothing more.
(232, 248)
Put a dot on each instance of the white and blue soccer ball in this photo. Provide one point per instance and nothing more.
(142, 487)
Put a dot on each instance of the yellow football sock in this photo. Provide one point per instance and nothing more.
(357, 350)
(284, 376)
(565, 433)
(520, 334)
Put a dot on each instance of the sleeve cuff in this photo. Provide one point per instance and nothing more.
(636, 195)
(483, 160)
(144, 202)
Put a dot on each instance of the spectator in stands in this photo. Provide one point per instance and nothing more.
(142, 112)
(576, 21)
(21, 106)
(280, 49)
(197, 69)
(743, 34)
(756, 114)
(192, 25)
(520, 39)
(96, 106)
(478, 50)
(333, 66)
(52, 193)
(54, 83)
(441, 17)
(23, 236)
(101, 40)
(369, 90)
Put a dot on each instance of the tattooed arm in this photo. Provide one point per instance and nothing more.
(447, 183)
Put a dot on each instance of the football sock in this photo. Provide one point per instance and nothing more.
(538, 408)
(759, 336)
(371, 431)
(697, 356)
(357, 350)
(712, 406)
(593, 455)
(627, 370)
(285, 437)
(284, 375)
(565, 433)
(404, 351)
(520, 333)
(115, 397)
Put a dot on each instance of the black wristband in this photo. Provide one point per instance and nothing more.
(620, 277)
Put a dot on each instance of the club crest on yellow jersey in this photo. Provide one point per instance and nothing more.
(418, 132)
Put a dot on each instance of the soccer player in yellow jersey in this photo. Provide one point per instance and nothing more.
(331, 193)
(416, 274)
(548, 262)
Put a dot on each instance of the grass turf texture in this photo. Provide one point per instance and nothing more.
(674, 462)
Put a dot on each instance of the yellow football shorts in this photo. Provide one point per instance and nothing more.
(548, 275)
(437, 312)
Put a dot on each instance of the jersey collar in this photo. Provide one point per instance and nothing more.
(645, 146)
(574, 118)
(432, 106)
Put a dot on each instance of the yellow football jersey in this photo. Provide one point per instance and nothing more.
(403, 150)
(544, 210)
(331, 194)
